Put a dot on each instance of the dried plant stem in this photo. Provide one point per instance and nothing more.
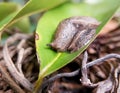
(84, 79)
(11, 67)
(9, 80)
(71, 74)
(101, 60)
(19, 61)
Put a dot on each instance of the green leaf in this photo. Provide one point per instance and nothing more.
(32, 7)
(6, 21)
(35, 6)
(6, 9)
(50, 60)
(7, 12)
(23, 25)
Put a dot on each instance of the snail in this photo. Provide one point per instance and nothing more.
(73, 33)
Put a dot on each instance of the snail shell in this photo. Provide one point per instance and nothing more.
(73, 33)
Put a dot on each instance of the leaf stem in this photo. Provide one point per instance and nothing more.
(43, 73)
(38, 84)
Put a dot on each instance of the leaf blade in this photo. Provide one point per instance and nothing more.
(54, 17)
(30, 8)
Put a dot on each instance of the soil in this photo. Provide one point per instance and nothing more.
(19, 67)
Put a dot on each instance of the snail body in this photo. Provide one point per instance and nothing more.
(73, 33)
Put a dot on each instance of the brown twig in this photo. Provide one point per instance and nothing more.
(19, 60)
(118, 88)
(116, 77)
(71, 74)
(84, 79)
(27, 52)
(104, 86)
(8, 79)
(101, 60)
(11, 67)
